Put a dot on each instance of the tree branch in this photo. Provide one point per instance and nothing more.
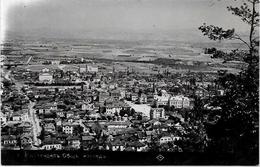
(236, 36)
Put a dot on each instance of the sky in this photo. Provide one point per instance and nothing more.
(116, 18)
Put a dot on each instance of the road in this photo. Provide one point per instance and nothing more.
(28, 61)
(35, 123)
(36, 129)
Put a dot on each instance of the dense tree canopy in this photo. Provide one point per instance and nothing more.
(237, 128)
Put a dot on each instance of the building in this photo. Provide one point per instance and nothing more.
(67, 128)
(51, 144)
(55, 62)
(116, 145)
(168, 138)
(157, 113)
(115, 107)
(82, 68)
(45, 76)
(49, 127)
(117, 126)
(163, 99)
(8, 141)
(134, 97)
(92, 68)
(26, 140)
(115, 94)
(103, 96)
(142, 99)
(74, 142)
(179, 102)
(165, 139)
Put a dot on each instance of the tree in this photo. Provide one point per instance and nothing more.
(97, 128)
(198, 108)
(238, 121)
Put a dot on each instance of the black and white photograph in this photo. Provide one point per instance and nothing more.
(129, 82)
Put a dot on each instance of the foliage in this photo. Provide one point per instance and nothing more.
(237, 128)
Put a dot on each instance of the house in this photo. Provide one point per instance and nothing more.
(122, 93)
(60, 113)
(142, 137)
(45, 76)
(21, 115)
(134, 97)
(115, 107)
(46, 108)
(92, 68)
(82, 68)
(74, 142)
(67, 128)
(137, 146)
(170, 123)
(168, 138)
(165, 139)
(62, 138)
(117, 126)
(103, 96)
(16, 117)
(56, 62)
(94, 114)
(149, 135)
(157, 113)
(49, 127)
(8, 141)
(69, 114)
(25, 127)
(163, 99)
(26, 140)
(128, 95)
(112, 86)
(51, 144)
(179, 101)
(115, 94)
(87, 142)
(201, 92)
(116, 145)
(87, 106)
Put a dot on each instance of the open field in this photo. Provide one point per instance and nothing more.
(139, 55)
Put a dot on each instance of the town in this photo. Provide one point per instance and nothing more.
(98, 106)
(129, 82)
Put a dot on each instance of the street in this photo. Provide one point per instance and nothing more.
(35, 123)
(36, 129)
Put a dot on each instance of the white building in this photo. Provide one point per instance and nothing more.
(92, 68)
(179, 101)
(157, 113)
(55, 62)
(165, 139)
(45, 76)
(162, 100)
(68, 129)
(52, 146)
